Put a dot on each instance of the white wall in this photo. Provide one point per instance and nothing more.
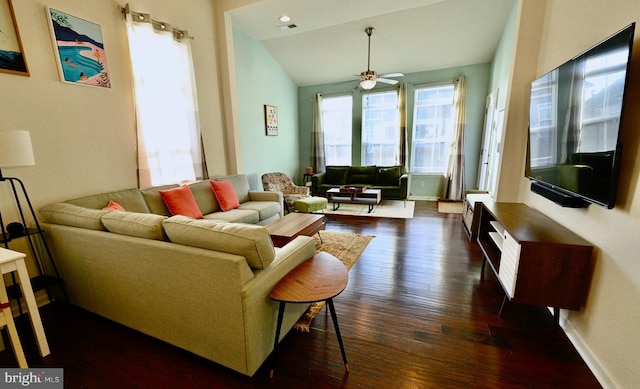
(606, 329)
(261, 80)
(84, 137)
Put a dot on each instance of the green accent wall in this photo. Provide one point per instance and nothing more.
(261, 80)
(478, 77)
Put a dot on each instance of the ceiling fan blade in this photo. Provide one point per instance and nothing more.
(387, 81)
(387, 75)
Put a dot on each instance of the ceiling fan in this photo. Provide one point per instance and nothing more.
(369, 78)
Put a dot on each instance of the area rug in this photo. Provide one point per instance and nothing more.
(387, 208)
(449, 206)
(347, 247)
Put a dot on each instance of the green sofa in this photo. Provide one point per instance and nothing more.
(200, 284)
(393, 181)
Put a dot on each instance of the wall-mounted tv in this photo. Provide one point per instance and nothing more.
(575, 118)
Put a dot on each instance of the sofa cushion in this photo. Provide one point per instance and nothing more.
(389, 175)
(73, 215)
(142, 225)
(130, 199)
(205, 197)
(337, 175)
(250, 241)
(180, 201)
(265, 209)
(154, 200)
(362, 175)
(225, 195)
(237, 215)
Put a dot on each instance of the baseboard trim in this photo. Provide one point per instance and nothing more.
(42, 299)
(423, 198)
(596, 367)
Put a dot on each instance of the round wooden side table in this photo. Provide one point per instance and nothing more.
(320, 278)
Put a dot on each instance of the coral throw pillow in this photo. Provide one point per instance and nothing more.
(180, 201)
(225, 195)
(113, 206)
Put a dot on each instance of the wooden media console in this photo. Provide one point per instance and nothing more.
(536, 260)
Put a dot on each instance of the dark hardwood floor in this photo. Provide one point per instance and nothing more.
(415, 314)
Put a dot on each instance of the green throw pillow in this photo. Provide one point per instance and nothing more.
(337, 175)
(389, 176)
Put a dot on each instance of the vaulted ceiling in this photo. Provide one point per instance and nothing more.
(329, 44)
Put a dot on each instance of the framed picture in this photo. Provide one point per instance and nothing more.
(12, 58)
(79, 50)
(271, 120)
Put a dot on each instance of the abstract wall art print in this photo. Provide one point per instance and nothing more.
(79, 50)
(271, 120)
(12, 58)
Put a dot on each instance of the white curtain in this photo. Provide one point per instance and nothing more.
(169, 141)
(318, 160)
(402, 109)
(455, 169)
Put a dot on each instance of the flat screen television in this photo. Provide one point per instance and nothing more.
(575, 118)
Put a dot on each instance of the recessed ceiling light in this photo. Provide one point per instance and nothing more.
(285, 18)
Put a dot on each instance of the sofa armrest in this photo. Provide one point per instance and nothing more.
(256, 195)
(260, 310)
(302, 190)
(287, 258)
(316, 181)
(404, 185)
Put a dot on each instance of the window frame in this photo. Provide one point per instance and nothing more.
(443, 139)
(382, 141)
(346, 131)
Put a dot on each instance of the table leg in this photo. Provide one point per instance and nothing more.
(34, 313)
(332, 309)
(11, 327)
(275, 343)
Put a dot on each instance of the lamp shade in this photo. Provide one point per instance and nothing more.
(367, 84)
(15, 148)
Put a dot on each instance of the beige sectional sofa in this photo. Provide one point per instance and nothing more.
(200, 284)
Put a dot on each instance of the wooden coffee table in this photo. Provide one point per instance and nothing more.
(370, 197)
(320, 278)
(294, 224)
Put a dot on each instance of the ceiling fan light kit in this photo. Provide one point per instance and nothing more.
(369, 78)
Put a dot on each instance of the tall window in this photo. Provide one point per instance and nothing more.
(432, 129)
(336, 123)
(169, 142)
(380, 129)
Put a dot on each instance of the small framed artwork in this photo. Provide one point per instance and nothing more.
(79, 50)
(12, 59)
(271, 120)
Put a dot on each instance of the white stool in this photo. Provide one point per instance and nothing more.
(6, 320)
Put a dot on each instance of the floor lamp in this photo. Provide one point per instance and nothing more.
(15, 151)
